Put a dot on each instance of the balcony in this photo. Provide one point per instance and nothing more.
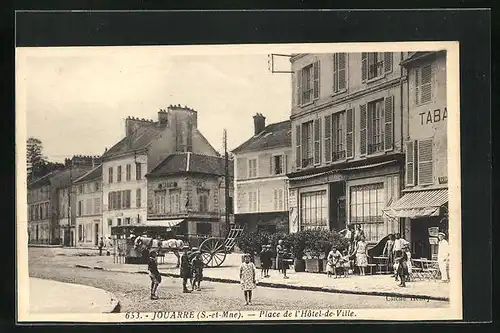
(338, 155)
(375, 148)
(306, 162)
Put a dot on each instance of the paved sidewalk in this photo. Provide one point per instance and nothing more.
(47, 296)
(379, 285)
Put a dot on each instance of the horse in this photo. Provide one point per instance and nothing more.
(143, 243)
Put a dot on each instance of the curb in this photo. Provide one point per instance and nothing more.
(287, 286)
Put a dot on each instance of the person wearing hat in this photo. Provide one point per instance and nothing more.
(185, 269)
(154, 274)
(443, 256)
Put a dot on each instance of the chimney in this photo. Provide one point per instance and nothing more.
(259, 122)
(162, 117)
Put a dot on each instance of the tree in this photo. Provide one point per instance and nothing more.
(34, 158)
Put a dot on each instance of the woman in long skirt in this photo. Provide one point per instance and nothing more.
(247, 278)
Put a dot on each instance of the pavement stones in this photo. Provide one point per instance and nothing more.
(48, 296)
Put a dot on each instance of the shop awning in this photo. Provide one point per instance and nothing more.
(163, 223)
(418, 204)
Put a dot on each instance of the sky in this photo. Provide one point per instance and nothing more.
(76, 100)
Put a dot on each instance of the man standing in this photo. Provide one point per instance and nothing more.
(443, 256)
(154, 274)
(100, 246)
(397, 249)
(185, 268)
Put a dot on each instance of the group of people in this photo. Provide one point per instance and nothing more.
(283, 259)
(105, 244)
(337, 263)
(191, 268)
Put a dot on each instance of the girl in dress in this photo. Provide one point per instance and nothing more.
(345, 263)
(333, 262)
(247, 278)
(361, 255)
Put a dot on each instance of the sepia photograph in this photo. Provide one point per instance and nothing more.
(239, 182)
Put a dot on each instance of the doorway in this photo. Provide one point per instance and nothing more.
(337, 209)
(421, 248)
(96, 234)
(71, 238)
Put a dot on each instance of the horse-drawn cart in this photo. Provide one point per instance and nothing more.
(214, 250)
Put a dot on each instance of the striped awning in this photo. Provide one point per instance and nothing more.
(418, 204)
(163, 223)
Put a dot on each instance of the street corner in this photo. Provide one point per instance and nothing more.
(48, 296)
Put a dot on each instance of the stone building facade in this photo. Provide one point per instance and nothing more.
(424, 203)
(145, 145)
(348, 121)
(261, 165)
(40, 210)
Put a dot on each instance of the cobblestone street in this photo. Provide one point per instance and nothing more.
(132, 290)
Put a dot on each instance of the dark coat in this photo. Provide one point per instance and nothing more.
(186, 271)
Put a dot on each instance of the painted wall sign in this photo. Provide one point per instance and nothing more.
(431, 117)
(443, 180)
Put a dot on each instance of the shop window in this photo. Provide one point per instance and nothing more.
(313, 210)
(366, 203)
(204, 228)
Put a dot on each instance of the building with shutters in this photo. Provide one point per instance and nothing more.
(261, 187)
(40, 209)
(347, 119)
(424, 203)
(88, 208)
(187, 191)
(146, 144)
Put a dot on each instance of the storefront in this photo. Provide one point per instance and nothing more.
(425, 213)
(352, 194)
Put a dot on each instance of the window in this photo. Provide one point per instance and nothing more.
(278, 200)
(175, 201)
(88, 207)
(97, 206)
(366, 203)
(313, 210)
(127, 220)
(118, 221)
(203, 200)
(252, 168)
(277, 164)
(307, 144)
(252, 201)
(80, 204)
(128, 171)
(375, 64)
(423, 84)
(97, 186)
(338, 135)
(126, 198)
(160, 202)
(138, 198)
(376, 126)
(308, 83)
(80, 233)
(119, 173)
(138, 171)
(110, 174)
(328, 138)
(204, 228)
(339, 72)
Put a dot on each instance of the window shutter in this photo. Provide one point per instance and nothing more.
(275, 199)
(342, 71)
(389, 123)
(388, 62)
(335, 72)
(364, 66)
(316, 72)
(294, 89)
(417, 86)
(410, 163)
(285, 164)
(317, 141)
(271, 170)
(349, 133)
(298, 148)
(363, 129)
(328, 139)
(425, 167)
(307, 151)
(426, 87)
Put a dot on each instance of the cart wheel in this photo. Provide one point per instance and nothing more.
(212, 252)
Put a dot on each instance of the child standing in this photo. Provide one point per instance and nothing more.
(197, 265)
(333, 262)
(345, 263)
(247, 278)
(154, 274)
(262, 256)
